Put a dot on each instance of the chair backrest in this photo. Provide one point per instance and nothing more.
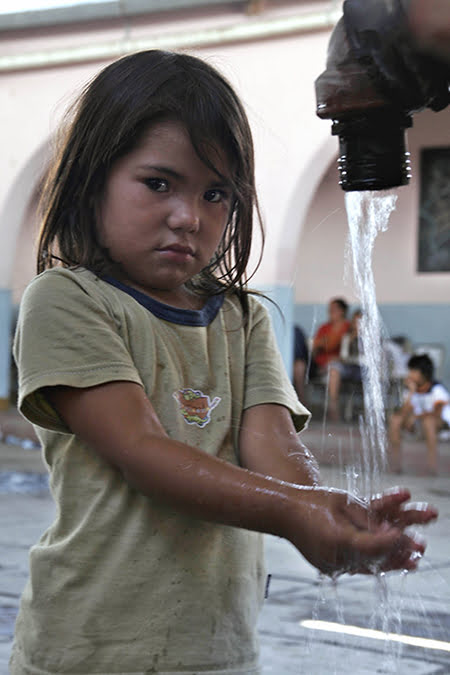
(436, 352)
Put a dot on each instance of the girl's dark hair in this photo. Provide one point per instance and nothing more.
(424, 364)
(109, 120)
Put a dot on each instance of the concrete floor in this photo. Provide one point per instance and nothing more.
(415, 605)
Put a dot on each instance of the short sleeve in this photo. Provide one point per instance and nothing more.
(266, 380)
(440, 394)
(66, 335)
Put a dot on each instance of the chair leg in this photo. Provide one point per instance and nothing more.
(348, 408)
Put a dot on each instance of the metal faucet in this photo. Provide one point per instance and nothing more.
(375, 80)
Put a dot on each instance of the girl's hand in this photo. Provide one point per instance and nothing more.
(339, 533)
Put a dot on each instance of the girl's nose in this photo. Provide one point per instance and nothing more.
(184, 215)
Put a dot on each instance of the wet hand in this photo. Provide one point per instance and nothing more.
(393, 510)
(393, 506)
(341, 533)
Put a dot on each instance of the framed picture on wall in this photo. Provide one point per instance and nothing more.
(434, 218)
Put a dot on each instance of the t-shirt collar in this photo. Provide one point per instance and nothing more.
(184, 317)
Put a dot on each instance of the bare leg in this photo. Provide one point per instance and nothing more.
(334, 386)
(395, 439)
(430, 425)
(299, 378)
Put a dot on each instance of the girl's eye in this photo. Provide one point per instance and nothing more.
(157, 184)
(215, 196)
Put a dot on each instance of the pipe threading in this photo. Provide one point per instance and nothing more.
(373, 153)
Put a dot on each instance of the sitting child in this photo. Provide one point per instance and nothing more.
(426, 401)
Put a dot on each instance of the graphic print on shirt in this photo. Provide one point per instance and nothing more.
(195, 406)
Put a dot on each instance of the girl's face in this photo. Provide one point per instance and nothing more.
(163, 213)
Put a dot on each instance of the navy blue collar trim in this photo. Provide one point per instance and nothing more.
(183, 317)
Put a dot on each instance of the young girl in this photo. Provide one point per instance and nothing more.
(167, 421)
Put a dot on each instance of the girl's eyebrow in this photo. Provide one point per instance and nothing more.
(221, 181)
(161, 169)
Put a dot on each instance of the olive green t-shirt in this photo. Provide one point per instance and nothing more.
(121, 583)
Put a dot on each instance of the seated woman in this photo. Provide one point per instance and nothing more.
(347, 367)
(326, 345)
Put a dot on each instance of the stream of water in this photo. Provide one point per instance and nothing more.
(368, 214)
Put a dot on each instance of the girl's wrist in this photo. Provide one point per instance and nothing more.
(296, 509)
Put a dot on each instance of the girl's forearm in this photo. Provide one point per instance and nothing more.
(209, 488)
(327, 526)
(134, 441)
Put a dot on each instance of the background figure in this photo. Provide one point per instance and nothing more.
(300, 362)
(347, 368)
(398, 351)
(426, 402)
(327, 341)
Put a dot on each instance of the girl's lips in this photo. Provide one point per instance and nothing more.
(178, 254)
(176, 248)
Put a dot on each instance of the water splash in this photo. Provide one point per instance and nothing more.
(368, 214)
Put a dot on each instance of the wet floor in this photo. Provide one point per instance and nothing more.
(410, 606)
(23, 483)
(417, 606)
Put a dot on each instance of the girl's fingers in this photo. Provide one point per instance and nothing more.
(407, 557)
(372, 535)
(387, 550)
(390, 506)
(382, 505)
(416, 514)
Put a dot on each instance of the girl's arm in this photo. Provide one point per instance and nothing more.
(436, 413)
(334, 531)
(270, 445)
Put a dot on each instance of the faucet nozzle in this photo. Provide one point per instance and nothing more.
(372, 150)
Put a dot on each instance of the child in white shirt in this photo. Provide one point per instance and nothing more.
(427, 402)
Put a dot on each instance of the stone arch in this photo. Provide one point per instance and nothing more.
(303, 194)
(282, 291)
(16, 215)
(16, 210)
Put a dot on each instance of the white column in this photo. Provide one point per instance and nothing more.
(283, 320)
(5, 345)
